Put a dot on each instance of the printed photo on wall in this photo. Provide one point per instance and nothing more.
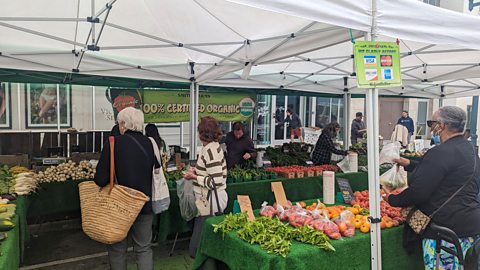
(5, 105)
(42, 105)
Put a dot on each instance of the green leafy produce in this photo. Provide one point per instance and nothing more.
(271, 234)
(308, 235)
(174, 175)
(6, 180)
(290, 154)
(230, 223)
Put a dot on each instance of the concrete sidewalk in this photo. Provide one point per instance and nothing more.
(63, 246)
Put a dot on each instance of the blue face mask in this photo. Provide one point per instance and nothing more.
(436, 139)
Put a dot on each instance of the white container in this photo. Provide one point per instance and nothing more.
(328, 187)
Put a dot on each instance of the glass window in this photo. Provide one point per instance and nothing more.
(469, 116)
(263, 119)
(422, 118)
(432, 2)
(322, 117)
(280, 112)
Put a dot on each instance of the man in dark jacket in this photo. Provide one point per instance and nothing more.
(295, 125)
(239, 146)
(407, 122)
(358, 128)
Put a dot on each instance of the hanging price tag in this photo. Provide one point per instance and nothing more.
(280, 197)
(246, 206)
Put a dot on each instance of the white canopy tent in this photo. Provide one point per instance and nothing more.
(228, 42)
(299, 45)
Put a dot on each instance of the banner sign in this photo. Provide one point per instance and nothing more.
(164, 106)
(377, 64)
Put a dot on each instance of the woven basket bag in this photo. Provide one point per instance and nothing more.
(108, 213)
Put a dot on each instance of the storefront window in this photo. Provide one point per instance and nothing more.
(280, 112)
(329, 110)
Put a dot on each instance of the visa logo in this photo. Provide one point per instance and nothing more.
(369, 60)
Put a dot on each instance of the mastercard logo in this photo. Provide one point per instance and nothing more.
(386, 60)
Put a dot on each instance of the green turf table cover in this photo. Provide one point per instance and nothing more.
(351, 253)
(12, 248)
(299, 189)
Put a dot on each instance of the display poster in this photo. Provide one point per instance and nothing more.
(122, 98)
(5, 109)
(42, 105)
(377, 64)
(174, 106)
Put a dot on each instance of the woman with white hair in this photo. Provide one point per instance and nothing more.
(445, 186)
(134, 160)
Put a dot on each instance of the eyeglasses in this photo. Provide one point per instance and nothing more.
(431, 122)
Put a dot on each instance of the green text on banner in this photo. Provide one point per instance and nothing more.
(377, 64)
(174, 106)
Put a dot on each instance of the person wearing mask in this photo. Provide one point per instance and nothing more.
(295, 125)
(407, 122)
(449, 171)
(134, 161)
(209, 173)
(322, 154)
(239, 146)
(357, 128)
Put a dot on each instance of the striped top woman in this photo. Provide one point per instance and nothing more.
(211, 169)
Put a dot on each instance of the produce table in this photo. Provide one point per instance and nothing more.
(171, 221)
(11, 249)
(61, 199)
(351, 253)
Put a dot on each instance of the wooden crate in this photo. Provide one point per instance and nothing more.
(300, 174)
(289, 175)
(319, 173)
(310, 173)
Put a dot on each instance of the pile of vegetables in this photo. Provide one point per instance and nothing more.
(25, 183)
(391, 216)
(271, 234)
(66, 171)
(6, 180)
(290, 154)
(238, 174)
(359, 148)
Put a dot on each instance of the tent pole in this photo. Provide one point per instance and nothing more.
(346, 113)
(58, 114)
(373, 159)
(442, 95)
(473, 121)
(192, 123)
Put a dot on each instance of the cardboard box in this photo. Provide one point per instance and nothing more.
(300, 174)
(310, 173)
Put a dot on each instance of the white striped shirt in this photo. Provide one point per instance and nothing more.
(211, 162)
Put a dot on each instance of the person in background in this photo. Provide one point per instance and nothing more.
(239, 146)
(407, 122)
(322, 154)
(357, 128)
(209, 173)
(152, 131)
(450, 170)
(295, 125)
(134, 162)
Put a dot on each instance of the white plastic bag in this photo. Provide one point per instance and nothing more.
(160, 193)
(349, 164)
(395, 178)
(390, 152)
(186, 196)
